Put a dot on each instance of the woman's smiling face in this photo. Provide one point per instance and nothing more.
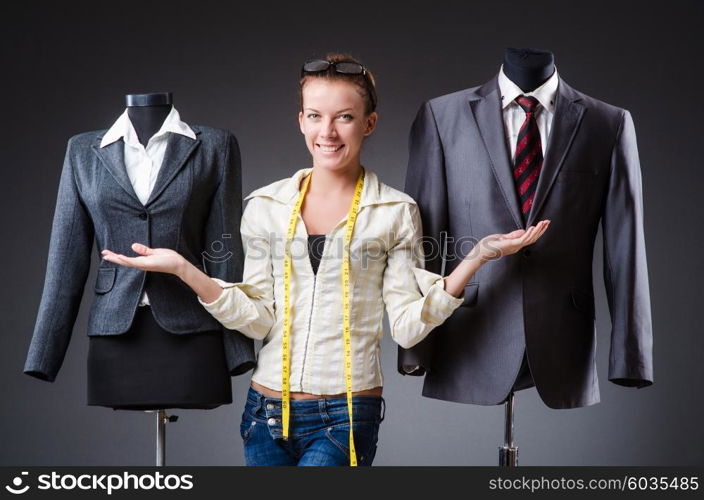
(333, 122)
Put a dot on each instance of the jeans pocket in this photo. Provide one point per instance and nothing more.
(246, 427)
(366, 435)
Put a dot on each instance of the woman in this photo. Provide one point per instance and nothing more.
(315, 396)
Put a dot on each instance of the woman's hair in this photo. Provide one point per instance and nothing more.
(366, 85)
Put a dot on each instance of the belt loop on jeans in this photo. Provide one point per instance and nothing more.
(323, 410)
(261, 398)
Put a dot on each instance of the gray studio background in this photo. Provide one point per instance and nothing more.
(67, 67)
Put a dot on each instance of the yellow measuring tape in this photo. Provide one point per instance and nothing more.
(346, 334)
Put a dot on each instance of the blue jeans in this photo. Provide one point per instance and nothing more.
(318, 430)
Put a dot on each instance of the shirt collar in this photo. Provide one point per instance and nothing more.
(123, 129)
(545, 94)
(286, 190)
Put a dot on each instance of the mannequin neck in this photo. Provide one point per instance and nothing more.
(528, 68)
(147, 112)
(147, 120)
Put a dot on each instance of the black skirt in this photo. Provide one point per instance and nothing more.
(148, 368)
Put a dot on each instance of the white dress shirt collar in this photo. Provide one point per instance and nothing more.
(123, 128)
(545, 94)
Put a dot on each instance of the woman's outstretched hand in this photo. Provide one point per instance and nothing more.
(495, 246)
(489, 248)
(162, 260)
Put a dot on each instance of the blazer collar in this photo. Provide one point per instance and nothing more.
(569, 111)
(178, 149)
(485, 108)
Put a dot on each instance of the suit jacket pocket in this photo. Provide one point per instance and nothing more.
(471, 292)
(583, 301)
(105, 280)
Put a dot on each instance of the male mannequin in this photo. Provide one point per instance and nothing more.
(531, 315)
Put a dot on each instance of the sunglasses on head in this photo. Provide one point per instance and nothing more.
(344, 67)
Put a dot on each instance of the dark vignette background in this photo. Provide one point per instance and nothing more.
(67, 65)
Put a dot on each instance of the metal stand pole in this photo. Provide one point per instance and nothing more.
(508, 453)
(161, 420)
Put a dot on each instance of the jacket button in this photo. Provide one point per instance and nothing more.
(269, 406)
(143, 216)
(271, 421)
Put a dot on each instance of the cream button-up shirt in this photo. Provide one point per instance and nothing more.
(386, 272)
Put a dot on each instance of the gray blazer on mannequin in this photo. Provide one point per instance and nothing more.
(194, 208)
(541, 299)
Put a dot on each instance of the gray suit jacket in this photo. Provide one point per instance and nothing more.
(194, 208)
(541, 299)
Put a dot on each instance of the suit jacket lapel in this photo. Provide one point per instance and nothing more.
(113, 157)
(568, 116)
(178, 149)
(486, 109)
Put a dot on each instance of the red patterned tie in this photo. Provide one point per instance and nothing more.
(529, 155)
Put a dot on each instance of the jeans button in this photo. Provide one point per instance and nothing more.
(269, 406)
(271, 421)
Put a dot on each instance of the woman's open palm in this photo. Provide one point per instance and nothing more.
(499, 245)
(162, 260)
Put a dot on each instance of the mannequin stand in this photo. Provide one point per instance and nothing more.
(508, 453)
(161, 420)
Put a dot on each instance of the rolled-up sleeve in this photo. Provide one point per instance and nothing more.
(415, 299)
(248, 307)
